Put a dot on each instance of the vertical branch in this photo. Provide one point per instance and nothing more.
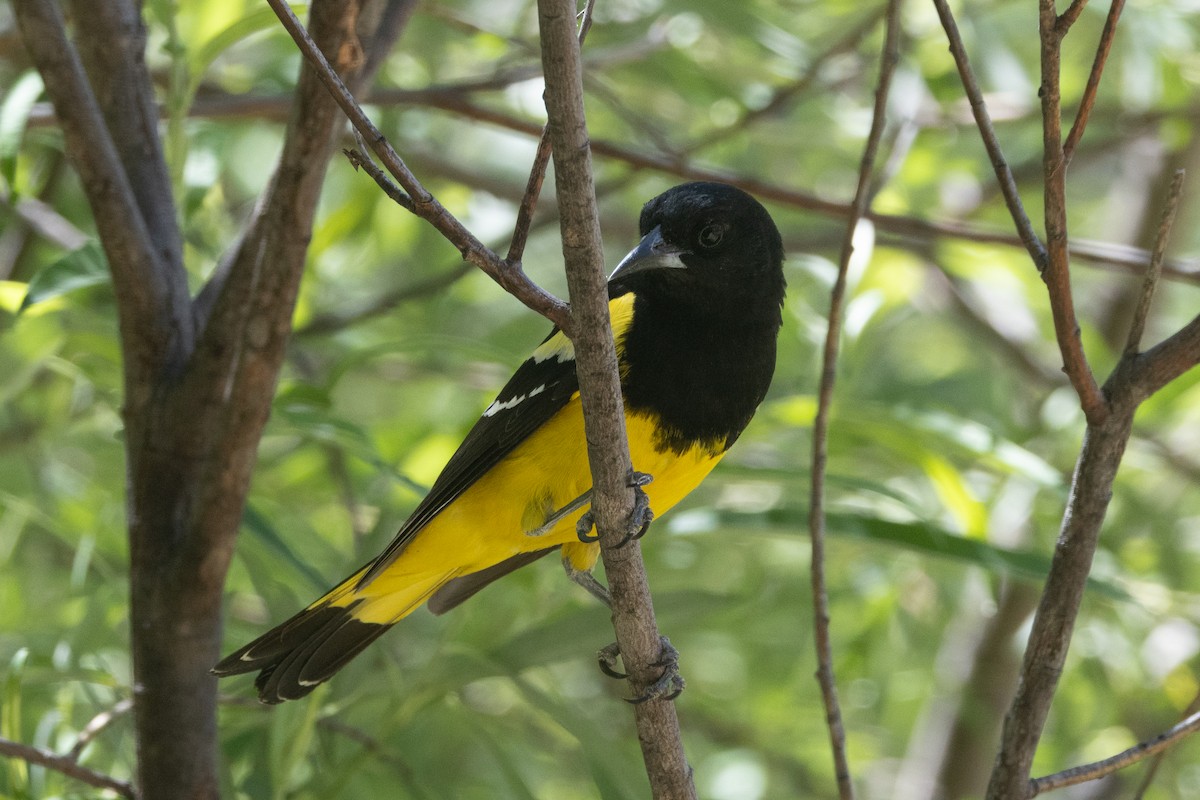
(537, 173)
(151, 307)
(816, 519)
(600, 390)
(1136, 377)
(1150, 282)
(114, 54)
(1057, 274)
(1050, 637)
(1093, 85)
(983, 121)
(1052, 258)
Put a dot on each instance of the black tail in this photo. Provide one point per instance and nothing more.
(297, 656)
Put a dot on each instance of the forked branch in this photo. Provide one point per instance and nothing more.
(509, 275)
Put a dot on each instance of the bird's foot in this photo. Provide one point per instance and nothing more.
(557, 516)
(639, 519)
(584, 578)
(669, 685)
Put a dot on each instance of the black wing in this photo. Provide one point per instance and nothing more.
(539, 388)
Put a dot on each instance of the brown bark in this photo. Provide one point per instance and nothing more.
(199, 375)
(600, 390)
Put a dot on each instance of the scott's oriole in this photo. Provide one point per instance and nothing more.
(696, 308)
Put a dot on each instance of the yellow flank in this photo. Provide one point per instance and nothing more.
(488, 522)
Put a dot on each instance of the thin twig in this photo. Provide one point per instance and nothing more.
(1093, 85)
(67, 766)
(1098, 769)
(541, 160)
(533, 188)
(361, 160)
(1156, 762)
(383, 303)
(44, 220)
(816, 519)
(983, 120)
(1057, 273)
(1040, 375)
(509, 275)
(98, 725)
(1124, 257)
(1142, 310)
(1068, 17)
(788, 93)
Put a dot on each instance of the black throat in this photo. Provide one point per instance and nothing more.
(701, 376)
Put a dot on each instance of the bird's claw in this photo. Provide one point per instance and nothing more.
(669, 685)
(639, 518)
(607, 658)
(642, 514)
(583, 528)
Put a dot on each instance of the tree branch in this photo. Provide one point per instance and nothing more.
(509, 275)
(816, 516)
(113, 53)
(1098, 769)
(1093, 85)
(1068, 17)
(1167, 360)
(1050, 637)
(67, 766)
(151, 292)
(1052, 258)
(383, 303)
(600, 390)
(1150, 282)
(98, 725)
(1127, 258)
(1057, 273)
(983, 120)
(541, 160)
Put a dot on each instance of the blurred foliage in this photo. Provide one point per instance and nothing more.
(952, 443)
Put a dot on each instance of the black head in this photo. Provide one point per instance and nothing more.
(708, 246)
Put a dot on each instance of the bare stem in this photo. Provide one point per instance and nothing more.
(1057, 273)
(816, 519)
(541, 160)
(1072, 13)
(1093, 85)
(983, 120)
(97, 725)
(508, 274)
(1098, 769)
(67, 766)
(1138, 326)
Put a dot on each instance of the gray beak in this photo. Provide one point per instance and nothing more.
(651, 253)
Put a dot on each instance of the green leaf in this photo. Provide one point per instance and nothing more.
(14, 113)
(262, 529)
(202, 57)
(919, 536)
(78, 269)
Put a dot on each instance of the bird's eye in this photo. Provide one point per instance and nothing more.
(711, 235)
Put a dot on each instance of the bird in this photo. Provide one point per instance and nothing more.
(696, 308)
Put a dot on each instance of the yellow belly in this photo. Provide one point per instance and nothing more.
(488, 523)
